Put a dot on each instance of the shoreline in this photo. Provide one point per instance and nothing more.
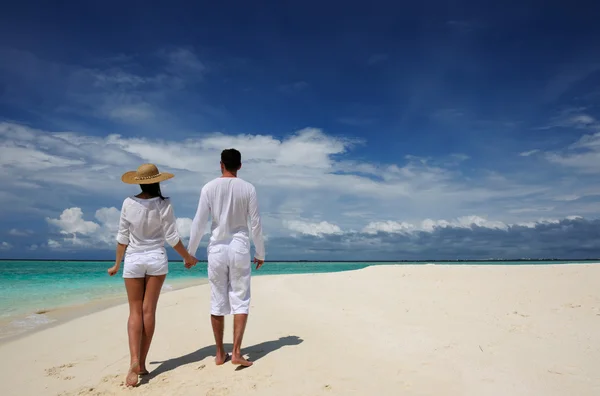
(443, 329)
(23, 324)
(34, 322)
(204, 261)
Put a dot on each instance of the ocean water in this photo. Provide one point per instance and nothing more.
(31, 290)
(35, 286)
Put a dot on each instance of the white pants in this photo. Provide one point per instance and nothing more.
(229, 270)
(138, 265)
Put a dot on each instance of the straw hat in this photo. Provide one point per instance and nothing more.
(145, 174)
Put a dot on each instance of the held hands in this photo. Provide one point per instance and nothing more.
(190, 261)
(113, 270)
(258, 262)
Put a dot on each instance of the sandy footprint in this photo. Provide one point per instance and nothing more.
(57, 371)
(218, 392)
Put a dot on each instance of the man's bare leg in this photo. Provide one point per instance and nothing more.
(218, 325)
(239, 326)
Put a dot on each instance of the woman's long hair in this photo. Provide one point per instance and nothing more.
(152, 189)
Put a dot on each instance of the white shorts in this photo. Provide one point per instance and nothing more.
(138, 265)
(229, 270)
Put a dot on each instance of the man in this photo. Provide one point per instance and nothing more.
(231, 202)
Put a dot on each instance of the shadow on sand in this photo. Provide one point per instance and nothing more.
(254, 353)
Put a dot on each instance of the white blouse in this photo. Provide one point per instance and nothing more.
(146, 224)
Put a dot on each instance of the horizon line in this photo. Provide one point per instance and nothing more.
(346, 261)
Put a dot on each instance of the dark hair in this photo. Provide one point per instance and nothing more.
(231, 159)
(152, 189)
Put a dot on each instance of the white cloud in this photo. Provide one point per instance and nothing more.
(583, 155)
(184, 61)
(529, 153)
(465, 222)
(388, 226)
(128, 109)
(460, 157)
(533, 224)
(5, 246)
(53, 244)
(568, 197)
(184, 225)
(20, 233)
(116, 77)
(31, 159)
(314, 229)
(429, 225)
(305, 176)
(108, 221)
(116, 91)
(71, 222)
(101, 233)
(582, 119)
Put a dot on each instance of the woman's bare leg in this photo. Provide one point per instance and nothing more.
(153, 286)
(135, 295)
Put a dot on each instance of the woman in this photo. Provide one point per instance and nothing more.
(147, 222)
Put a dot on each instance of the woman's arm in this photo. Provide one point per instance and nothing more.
(188, 259)
(120, 253)
(122, 241)
(169, 225)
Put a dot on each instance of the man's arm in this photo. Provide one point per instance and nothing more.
(256, 225)
(199, 223)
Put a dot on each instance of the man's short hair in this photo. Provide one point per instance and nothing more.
(231, 159)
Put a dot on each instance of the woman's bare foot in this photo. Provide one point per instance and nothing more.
(132, 375)
(142, 369)
(240, 361)
(221, 358)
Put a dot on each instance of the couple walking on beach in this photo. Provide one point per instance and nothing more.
(148, 221)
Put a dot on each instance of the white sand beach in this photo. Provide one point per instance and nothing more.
(386, 330)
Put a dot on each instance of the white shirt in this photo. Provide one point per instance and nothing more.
(231, 202)
(146, 224)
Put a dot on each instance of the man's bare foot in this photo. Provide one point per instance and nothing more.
(240, 361)
(142, 370)
(132, 375)
(221, 358)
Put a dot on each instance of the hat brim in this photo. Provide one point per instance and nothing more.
(130, 178)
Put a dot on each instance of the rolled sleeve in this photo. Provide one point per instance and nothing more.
(169, 224)
(123, 232)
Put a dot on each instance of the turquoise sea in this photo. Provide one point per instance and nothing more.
(31, 290)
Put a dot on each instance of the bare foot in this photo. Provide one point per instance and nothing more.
(132, 375)
(221, 358)
(240, 361)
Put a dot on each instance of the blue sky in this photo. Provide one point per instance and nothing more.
(371, 131)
